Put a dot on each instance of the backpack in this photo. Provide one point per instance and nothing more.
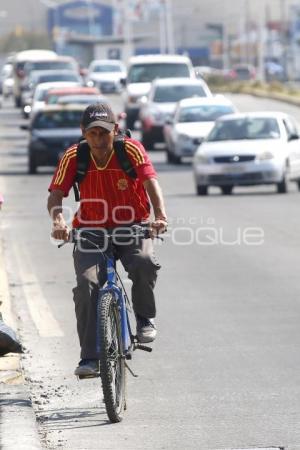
(83, 160)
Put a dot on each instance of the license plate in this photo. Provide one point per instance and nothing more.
(233, 169)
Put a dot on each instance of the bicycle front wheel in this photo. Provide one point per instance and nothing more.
(112, 361)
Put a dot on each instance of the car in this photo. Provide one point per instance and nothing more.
(19, 60)
(54, 94)
(160, 104)
(46, 76)
(7, 80)
(82, 99)
(106, 74)
(59, 63)
(249, 149)
(52, 130)
(40, 94)
(193, 120)
(242, 72)
(142, 70)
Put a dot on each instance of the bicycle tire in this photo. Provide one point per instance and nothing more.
(112, 361)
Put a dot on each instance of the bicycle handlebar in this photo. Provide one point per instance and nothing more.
(141, 231)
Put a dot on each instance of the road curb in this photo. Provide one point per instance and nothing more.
(18, 426)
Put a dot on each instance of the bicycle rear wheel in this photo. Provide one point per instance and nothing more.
(112, 361)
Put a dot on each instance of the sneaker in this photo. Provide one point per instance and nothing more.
(87, 368)
(145, 329)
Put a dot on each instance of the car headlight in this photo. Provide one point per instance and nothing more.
(200, 158)
(265, 156)
(183, 138)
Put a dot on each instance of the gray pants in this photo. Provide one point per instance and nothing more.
(138, 260)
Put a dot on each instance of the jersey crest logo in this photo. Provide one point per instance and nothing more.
(122, 184)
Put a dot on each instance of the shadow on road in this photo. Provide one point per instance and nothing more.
(63, 419)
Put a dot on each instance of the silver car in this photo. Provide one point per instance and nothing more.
(249, 149)
(161, 102)
(192, 121)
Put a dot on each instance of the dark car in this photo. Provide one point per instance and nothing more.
(52, 131)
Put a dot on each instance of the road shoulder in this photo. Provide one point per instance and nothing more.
(18, 427)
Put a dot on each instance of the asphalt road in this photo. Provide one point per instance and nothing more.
(224, 373)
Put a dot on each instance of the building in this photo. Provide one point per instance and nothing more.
(216, 32)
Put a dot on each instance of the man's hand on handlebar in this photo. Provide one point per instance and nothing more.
(60, 230)
(158, 226)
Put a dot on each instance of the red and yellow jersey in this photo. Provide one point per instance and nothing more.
(108, 196)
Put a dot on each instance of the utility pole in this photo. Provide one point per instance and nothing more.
(162, 29)
(283, 36)
(90, 17)
(169, 26)
(127, 20)
(261, 43)
(246, 30)
(225, 46)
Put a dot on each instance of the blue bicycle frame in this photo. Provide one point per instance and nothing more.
(113, 287)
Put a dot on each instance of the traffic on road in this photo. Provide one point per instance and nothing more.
(223, 371)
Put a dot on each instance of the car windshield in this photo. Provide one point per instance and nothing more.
(57, 119)
(203, 113)
(245, 128)
(40, 95)
(49, 65)
(57, 77)
(107, 68)
(82, 99)
(145, 73)
(171, 94)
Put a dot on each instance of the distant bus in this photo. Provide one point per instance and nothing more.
(19, 61)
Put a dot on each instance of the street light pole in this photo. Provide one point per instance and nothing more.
(261, 43)
(246, 31)
(128, 41)
(53, 6)
(283, 36)
(169, 26)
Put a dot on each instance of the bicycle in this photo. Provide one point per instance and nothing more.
(115, 339)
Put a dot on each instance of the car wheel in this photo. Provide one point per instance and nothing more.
(176, 159)
(17, 102)
(282, 187)
(169, 156)
(32, 165)
(202, 190)
(226, 190)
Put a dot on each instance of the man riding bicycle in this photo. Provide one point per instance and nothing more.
(109, 199)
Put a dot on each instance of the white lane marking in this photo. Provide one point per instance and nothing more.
(39, 309)
(258, 448)
(4, 292)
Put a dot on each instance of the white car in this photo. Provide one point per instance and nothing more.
(161, 102)
(249, 149)
(106, 74)
(193, 120)
(142, 70)
(7, 80)
(40, 95)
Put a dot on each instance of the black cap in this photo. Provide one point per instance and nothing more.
(98, 115)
